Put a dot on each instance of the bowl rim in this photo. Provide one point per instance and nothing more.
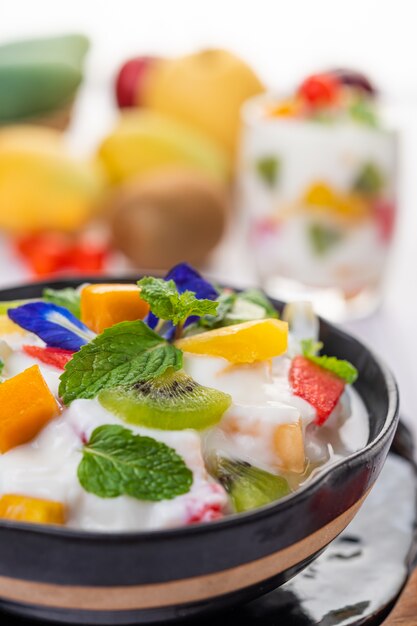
(233, 519)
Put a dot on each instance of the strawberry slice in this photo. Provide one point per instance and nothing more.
(51, 356)
(321, 388)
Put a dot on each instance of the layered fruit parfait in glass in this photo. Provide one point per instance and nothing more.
(318, 185)
(163, 403)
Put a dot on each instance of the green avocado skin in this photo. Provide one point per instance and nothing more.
(39, 76)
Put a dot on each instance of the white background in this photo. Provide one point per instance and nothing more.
(283, 40)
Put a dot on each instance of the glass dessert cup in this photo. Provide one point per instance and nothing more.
(143, 577)
(319, 205)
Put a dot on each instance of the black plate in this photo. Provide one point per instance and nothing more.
(121, 578)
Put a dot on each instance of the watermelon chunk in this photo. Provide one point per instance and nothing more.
(318, 386)
(51, 356)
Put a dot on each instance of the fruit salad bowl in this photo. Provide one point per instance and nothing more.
(76, 576)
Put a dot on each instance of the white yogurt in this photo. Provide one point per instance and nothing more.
(262, 400)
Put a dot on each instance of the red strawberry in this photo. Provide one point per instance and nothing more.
(321, 388)
(320, 90)
(51, 356)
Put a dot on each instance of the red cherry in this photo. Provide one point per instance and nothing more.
(131, 79)
(320, 90)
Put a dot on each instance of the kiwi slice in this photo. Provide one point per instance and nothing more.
(249, 487)
(173, 401)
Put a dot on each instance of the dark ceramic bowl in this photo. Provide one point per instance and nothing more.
(65, 575)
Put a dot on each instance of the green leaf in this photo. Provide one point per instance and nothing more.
(370, 180)
(68, 298)
(323, 238)
(256, 296)
(236, 308)
(123, 354)
(117, 462)
(340, 367)
(225, 303)
(311, 347)
(363, 111)
(168, 304)
(268, 169)
(1, 367)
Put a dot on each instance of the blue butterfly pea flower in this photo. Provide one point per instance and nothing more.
(186, 278)
(54, 324)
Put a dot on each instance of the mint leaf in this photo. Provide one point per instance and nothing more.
(123, 354)
(225, 303)
(168, 304)
(363, 111)
(1, 367)
(340, 367)
(311, 347)
(268, 168)
(370, 180)
(255, 296)
(236, 308)
(117, 462)
(322, 238)
(68, 298)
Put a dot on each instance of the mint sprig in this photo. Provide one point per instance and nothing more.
(236, 308)
(168, 304)
(117, 462)
(123, 354)
(69, 298)
(343, 369)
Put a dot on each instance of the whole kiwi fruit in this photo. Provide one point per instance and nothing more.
(169, 216)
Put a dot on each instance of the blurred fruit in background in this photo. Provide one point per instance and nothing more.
(42, 187)
(204, 90)
(54, 252)
(39, 79)
(168, 216)
(146, 140)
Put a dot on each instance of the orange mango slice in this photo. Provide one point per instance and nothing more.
(349, 205)
(241, 343)
(104, 305)
(35, 510)
(26, 406)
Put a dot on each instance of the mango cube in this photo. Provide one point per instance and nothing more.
(289, 446)
(26, 406)
(241, 343)
(103, 305)
(270, 433)
(35, 510)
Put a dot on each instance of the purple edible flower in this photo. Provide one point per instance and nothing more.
(54, 324)
(186, 278)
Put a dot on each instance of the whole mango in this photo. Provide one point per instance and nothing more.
(145, 140)
(41, 186)
(205, 90)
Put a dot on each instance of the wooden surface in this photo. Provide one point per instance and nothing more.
(404, 612)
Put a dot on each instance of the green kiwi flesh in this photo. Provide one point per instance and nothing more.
(249, 487)
(173, 401)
